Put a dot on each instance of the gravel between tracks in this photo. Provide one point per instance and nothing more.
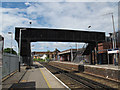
(70, 82)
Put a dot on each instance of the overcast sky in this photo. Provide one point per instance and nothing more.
(61, 14)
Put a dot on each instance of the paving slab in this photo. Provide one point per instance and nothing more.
(40, 78)
(0, 77)
(34, 75)
(36, 78)
(50, 79)
(13, 79)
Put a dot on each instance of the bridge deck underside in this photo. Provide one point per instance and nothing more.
(54, 35)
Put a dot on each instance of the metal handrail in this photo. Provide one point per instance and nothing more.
(80, 51)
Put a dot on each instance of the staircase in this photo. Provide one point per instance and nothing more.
(88, 49)
(77, 58)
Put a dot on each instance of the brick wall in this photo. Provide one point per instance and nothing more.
(102, 72)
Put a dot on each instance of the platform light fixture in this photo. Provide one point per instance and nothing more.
(71, 54)
(114, 35)
(10, 33)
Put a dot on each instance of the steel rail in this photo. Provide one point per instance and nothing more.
(82, 80)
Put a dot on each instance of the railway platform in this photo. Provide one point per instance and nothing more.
(38, 78)
(110, 72)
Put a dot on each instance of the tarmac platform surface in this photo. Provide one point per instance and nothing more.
(35, 78)
(42, 78)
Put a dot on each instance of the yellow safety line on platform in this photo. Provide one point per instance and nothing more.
(24, 81)
(46, 80)
(6, 77)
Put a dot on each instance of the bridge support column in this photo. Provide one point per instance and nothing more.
(91, 61)
(94, 57)
(26, 49)
(97, 52)
(29, 53)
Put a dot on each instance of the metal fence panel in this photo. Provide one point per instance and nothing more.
(10, 64)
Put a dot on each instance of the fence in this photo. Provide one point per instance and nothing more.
(1, 51)
(10, 64)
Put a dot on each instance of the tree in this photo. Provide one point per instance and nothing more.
(9, 50)
(48, 53)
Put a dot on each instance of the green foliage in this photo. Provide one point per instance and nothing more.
(48, 51)
(41, 60)
(9, 50)
(47, 58)
(36, 59)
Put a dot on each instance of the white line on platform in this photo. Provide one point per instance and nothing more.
(58, 79)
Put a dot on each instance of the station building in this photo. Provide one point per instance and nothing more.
(52, 55)
(101, 54)
(73, 55)
(66, 55)
(104, 57)
(105, 53)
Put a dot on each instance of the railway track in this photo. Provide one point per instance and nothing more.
(83, 82)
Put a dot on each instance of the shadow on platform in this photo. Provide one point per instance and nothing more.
(23, 86)
(37, 66)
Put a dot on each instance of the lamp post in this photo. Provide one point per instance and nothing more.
(47, 53)
(71, 54)
(11, 40)
(10, 49)
(20, 46)
(76, 46)
(114, 39)
(114, 36)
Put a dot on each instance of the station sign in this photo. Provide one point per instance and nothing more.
(113, 51)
